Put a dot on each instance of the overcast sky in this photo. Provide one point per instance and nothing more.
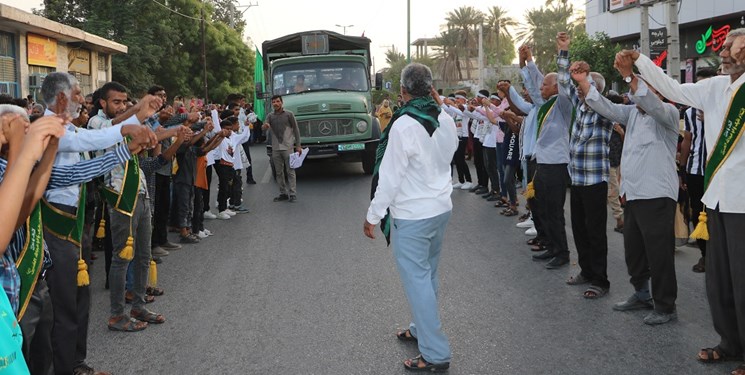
(384, 21)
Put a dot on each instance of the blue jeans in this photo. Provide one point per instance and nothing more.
(416, 247)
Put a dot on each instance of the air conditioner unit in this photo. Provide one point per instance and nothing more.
(35, 80)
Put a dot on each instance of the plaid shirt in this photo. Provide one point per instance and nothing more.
(62, 176)
(589, 138)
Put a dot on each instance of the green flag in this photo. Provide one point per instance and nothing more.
(259, 82)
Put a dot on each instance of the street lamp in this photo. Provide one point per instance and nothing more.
(344, 27)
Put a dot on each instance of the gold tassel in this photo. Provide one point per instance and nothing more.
(128, 252)
(101, 232)
(701, 232)
(153, 274)
(83, 278)
(529, 191)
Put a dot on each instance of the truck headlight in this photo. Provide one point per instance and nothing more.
(362, 126)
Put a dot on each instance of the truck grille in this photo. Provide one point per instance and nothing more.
(311, 108)
(326, 127)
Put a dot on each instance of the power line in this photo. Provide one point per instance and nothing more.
(173, 11)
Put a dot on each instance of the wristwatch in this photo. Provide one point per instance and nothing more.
(628, 78)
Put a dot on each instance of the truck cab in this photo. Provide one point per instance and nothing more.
(324, 79)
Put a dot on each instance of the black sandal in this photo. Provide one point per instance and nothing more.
(413, 365)
(406, 335)
(721, 355)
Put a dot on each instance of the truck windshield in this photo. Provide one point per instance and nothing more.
(314, 76)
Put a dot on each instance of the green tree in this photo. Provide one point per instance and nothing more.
(165, 43)
(541, 26)
(463, 21)
(500, 48)
(447, 58)
(598, 51)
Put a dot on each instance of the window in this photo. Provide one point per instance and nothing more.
(8, 72)
(320, 75)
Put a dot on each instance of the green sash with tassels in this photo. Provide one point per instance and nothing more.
(30, 261)
(731, 132)
(64, 225)
(543, 112)
(125, 200)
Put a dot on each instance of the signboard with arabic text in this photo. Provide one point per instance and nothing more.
(42, 51)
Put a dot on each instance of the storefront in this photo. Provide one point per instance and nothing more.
(32, 47)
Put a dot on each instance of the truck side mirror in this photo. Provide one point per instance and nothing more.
(378, 81)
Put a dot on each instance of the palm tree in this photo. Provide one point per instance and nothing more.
(461, 20)
(498, 25)
(392, 56)
(447, 61)
(542, 25)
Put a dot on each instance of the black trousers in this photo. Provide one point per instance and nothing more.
(162, 209)
(725, 281)
(225, 175)
(649, 246)
(550, 184)
(464, 173)
(695, 185)
(490, 164)
(478, 162)
(71, 304)
(250, 169)
(589, 219)
(206, 193)
(236, 189)
(197, 219)
(532, 203)
(36, 327)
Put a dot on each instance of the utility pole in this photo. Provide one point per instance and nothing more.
(344, 27)
(481, 56)
(408, 31)
(673, 46)
(644, 33)
(204, 56)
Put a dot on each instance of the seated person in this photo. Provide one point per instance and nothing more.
(300, 84)
(348, 81)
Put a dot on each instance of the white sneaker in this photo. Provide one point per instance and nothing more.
(457, 185)
(207, 232)
(466, 186)
(531, 232)
(209, 215)
(528, 223)
(230, 212)
(201, 234)
(223, 216)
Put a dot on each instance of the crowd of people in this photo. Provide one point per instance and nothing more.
(108, 172)
(561, 132)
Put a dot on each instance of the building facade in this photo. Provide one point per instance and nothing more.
(32, 47)
(703, 26)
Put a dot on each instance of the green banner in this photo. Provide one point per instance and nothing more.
(259, 84)
(30, 261)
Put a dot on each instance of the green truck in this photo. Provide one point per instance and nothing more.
(324, 79)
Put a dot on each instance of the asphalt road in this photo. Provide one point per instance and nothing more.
(296, 288)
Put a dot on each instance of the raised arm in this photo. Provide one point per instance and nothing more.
(692, 94)
(566, 88)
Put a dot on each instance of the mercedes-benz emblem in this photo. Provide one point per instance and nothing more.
(325, 127)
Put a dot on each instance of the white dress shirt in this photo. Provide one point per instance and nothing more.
(71, 145)
(712, 95)
(415, 171)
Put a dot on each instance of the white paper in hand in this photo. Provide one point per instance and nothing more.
(296, 161)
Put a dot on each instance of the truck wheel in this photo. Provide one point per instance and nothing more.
(368, 157)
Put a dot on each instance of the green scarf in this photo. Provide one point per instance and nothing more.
(425, 111)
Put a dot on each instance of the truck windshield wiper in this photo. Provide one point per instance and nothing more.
(328, 89)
